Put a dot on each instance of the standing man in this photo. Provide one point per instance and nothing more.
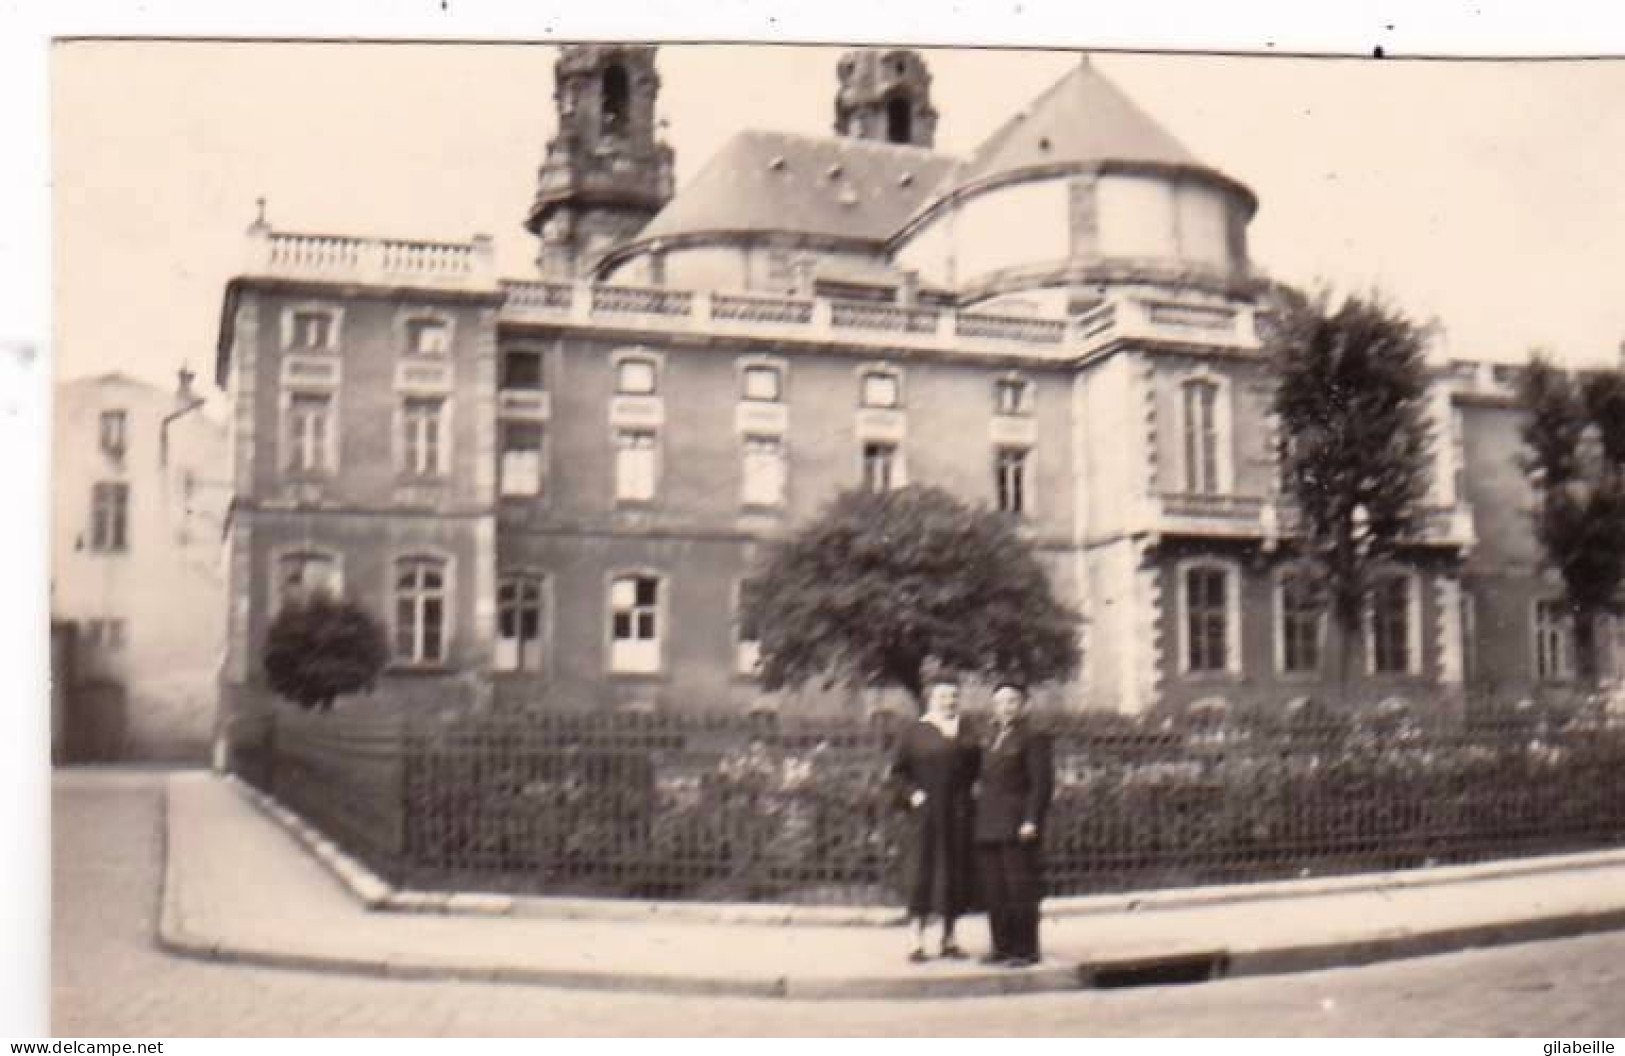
(1018, 780)
(934, 769)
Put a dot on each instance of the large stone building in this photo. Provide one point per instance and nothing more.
(137, 583)
(553, 490)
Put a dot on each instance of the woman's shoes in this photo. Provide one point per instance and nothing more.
(918, 957)
(952, 952)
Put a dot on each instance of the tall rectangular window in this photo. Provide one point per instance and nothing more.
(1302, 619)
(521, 469)
(635, 625)
(1610, 635)
(522, 369)
(114, 433)
(635, 465)
(109, 517)
(879, 466)
(764, 471)
(1554, 642)
(747, 643)
(420, 610)
(1010, 479)
(1469, 636)
(762, 383)
(310, 428)
(423, 439)
(1391, 626)
(635, 377)
(882, 389)
(428, 337)
(311, 331)
(1012, 396)
(1201, 437)
(519, 624)
(1207, 619)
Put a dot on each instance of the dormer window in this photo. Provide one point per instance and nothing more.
(882, 389)
(311, 331)
(1012, 397)
(114, 433)
(428, 337)
(635, 377)
(762, 383)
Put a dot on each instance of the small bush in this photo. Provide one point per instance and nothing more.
(320, 648)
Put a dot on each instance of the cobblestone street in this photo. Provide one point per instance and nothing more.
(109, 978)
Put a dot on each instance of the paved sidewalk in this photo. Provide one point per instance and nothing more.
(239, 887)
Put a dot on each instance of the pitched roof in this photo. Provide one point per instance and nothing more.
(1083, 117)
(773, 181)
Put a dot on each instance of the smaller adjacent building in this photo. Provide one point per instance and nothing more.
(137, 591)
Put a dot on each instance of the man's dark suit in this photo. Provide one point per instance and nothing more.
(1017, 782)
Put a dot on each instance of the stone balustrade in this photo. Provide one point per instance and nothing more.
(470, 265)
(383, 261)
(881, 324)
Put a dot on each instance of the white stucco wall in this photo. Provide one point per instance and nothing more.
(1152, 216)
(1022, 223)
(168, 584)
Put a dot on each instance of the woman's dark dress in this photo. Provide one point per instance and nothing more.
(938, 850)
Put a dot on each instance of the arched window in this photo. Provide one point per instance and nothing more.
(899, 120)
(420, 610)
(304, 574)
(616, 90)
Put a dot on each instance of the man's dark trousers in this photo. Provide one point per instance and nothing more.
(1012, 884)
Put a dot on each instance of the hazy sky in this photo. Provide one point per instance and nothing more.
(1485, 194)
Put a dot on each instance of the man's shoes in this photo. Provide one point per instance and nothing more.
(952, 952)
(918, 957)
(995, 957)
(1020, 962)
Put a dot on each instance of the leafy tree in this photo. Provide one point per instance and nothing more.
(1356, 446)
(880, 583)
(321, 647)
(1574, 455)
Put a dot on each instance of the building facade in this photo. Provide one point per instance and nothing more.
(137, 581)
(553, 490)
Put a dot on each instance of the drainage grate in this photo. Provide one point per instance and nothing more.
(1157, 971)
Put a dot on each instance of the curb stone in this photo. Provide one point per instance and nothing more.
(1194, 963)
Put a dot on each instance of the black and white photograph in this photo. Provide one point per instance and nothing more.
(621, 538)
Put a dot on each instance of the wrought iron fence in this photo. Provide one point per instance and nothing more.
(737, 807)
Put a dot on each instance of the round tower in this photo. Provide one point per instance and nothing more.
(606, 173)
(885, 95)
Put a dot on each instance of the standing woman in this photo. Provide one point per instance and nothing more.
(1018, 780)
(935, 768)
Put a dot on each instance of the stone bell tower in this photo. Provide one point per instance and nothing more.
(885, 94)
(605, 174)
